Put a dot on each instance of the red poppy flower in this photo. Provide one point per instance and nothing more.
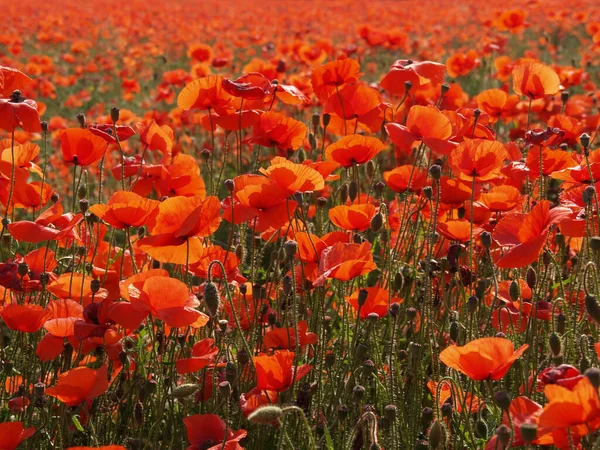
(276, 372)
(354, 217)
(501, 198)
(210, 432)
(535, 80)
(285, 338)
(79, 385)
(156, 137)
(12, 80)
(496, 103)
(17, 112)
(354, 149)
(274, 129)
(344, 262)
(478, 159)
(253, 86)
(418, 73)
(483, 359)
(526, 234)
(255, 398)
(13, 433)
(204, 352)
(27, 318)
(205, 93)
(125, 209)
(522, 410)
(328, 78)
(399, 179)
(294, 177)
(378, 301)
(81, 147)
(50, 225)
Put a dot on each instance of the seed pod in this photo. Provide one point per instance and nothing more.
(290, 248)
(411, 313)
(435, 171)
(426, 416)
(390, 412)
(394, 309)
(377, 222)
(95, 286)
(584, 140)
(428, 192)
(312, 141)
(472, 304)
(358, 392)
(343, 194)
(82, 191)
(316, 119)
(528, 432)
(230, 185)
(588, 194)
(266, 415)
(225, 389)
(212, 298)
(39, 390)
(503, 436)
(363, 294)
(454, 330)
(486, 239)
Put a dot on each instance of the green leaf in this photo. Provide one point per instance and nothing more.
(328, 440)
(76, 422)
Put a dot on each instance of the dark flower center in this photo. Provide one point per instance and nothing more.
(16, 97)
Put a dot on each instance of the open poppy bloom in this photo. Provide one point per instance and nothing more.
(18, 112)
(12, 434)
(106, 132)
(285, 338)
(478, 159)
(424, 124)
(405, 178)
(81, 147)
(294, 177)
(155, 137)
(522, 410)
(328, 78)
(353, 217)
(483, 359)
(420, 74)
(253, 86)
(378, 302)
(274, 129)
(12, 80)
(205, 93)
(169, 300)
(535, 80)
(79, 385)
(209, 432)
(204, 352)
(51, 225)
(501, 198)
(27, 318)
(354, 149)
(526, 234)
(125, 209)
(496, 103)
(344, 262)
(276, 372)
(255, 398)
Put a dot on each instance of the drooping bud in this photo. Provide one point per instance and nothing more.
(266, 415)
(212, 298)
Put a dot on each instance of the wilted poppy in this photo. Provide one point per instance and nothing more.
(276, 372)
(483, 359)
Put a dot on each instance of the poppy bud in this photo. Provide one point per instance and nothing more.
(481, 429)
(243, 357)
(460, 212)
(593, 374)
(44, 278)
(353, 191)
(358, 392)
(445, 88)
(531, 278)
(435, 171)
(225, 389)
(302, 155)
(330, 360)
(472, 304)
(437, 435)
(559, 238)
(500, 335)
(426, 416)
(22, 269)
(39, 390)
(486, 239)
(360, 352)
(205, 153)
(503, 436)
(377, 222)
(290, 248)
(514, 291)
(343, 194)
(411, 313)
(316, 119)
(212, 298)
(363, 294)
(54, 197)
(185, 390)
(428, 192)
(114, 114)
(546, 258)
(394, 309)
(82, 191)
(370, 169)
(595, 244)
(454, 330)
(390, 412)
(312, 141)
(95, 286)
(588, 194)
(528, 432)
(83, 205)
(44, 126)
(502, 399)
(372, 317)
(584, 139)
(148, 388)
(266, 415)
(421, 444)
(326, 119)
(379, 187)
(343, 411)
(357, 238)
(564, 96)
(555, 345)
(592, 308)
(138, 413)
(476, 113)
(229, 184)
(81, 120)
(223, 325)
(561, 323)
(408, 85)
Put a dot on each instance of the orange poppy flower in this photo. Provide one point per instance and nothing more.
(425, 124)
(252, 86)
(353, 217)
(328, 78)
(294, 177)
(496, 103)
(12, 80)
(344, 261)
(274, 129)
(552, 161)
(205, 93)
(458, 230)
(16, 112)
(50, 225)
(454, 191)
(378, 301)
(526, 234)
(577, 409)
(501, 198)
(204, 352)
(27, 318)
(535, 80)
(125, 209)
(13, 433)
(260, 200)
(77, 287)
(285, 338)
(276, 372)
(210, 432)
(169, 300)
(483, 359)
(79, 385)
(418, 73)
(357, 100)
(353, 149)
(216, 253)
(155, 137)
(478, 159)
(81, 147)
(521, 410)
(399, 178)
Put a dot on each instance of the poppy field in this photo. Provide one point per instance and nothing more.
(300, 225)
